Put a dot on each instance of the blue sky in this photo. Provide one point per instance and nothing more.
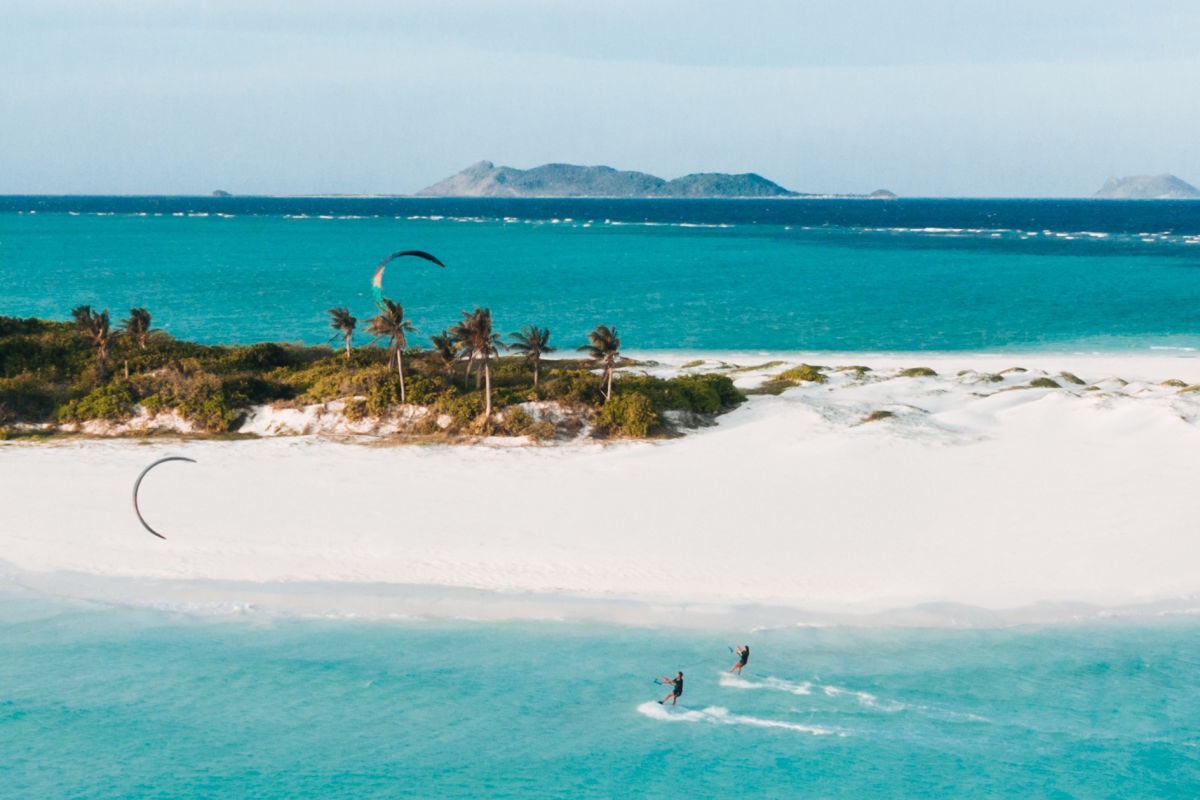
(933, 98)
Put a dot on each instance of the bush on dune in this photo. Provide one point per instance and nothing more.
(631, 414)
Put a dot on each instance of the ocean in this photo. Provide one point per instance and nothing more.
(117, 702)
(116, 697)
(850, 276)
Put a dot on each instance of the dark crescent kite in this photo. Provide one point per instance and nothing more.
(377, 281)
(138, 483)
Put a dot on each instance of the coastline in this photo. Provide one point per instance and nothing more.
(971, 502)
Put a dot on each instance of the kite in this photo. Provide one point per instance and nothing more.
(377, 281)
(138, 483)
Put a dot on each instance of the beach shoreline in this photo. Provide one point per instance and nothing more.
(969, 496)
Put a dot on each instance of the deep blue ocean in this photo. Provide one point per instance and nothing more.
(104, 699)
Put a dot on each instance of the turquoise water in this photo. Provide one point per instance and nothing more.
(669, 275)
(105, 700)
(101, 701)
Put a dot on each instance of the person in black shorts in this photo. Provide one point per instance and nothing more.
(676, 687)
(743, 654)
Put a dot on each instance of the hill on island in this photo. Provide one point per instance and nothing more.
(1148, 187)
(485, 179)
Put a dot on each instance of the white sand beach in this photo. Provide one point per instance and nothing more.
(977, 491)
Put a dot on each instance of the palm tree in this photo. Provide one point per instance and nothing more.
(95, 326)
(475, 336)
(445, 348)
(532, 341)
(138, 326)
(343, 323)
(604, 347)
(464, 334)
(390, 324)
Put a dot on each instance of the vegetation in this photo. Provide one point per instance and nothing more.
(344, 323)
(475, 337)
(604, 347)
(533, 342)
(918, 372)
(137, 326)
(804, 373)
(55, 373)
(1044, 383)
(390, 324)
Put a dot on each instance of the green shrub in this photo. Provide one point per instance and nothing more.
(355, 409)
(382, 395)
(756, 367)
(511, 372)
(517, 421)
(1044, 383)
(258, 357)
(113, 401)
(574, 386)
(153, 404)
(804, 372)
(631, 414)
(917, 372)
(25, 399)
(462, 408)
(423, 390)
(1070, 378)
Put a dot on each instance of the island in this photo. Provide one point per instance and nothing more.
(485, 179)
(1147, 187)
(93, 377)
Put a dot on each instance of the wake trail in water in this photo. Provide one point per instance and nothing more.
(862, 698)
(717, 715)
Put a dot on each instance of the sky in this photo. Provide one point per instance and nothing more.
(934, 98)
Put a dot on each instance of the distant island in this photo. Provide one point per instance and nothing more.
(1148, 187)
(485, 179)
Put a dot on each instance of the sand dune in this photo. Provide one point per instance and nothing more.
(970, 489)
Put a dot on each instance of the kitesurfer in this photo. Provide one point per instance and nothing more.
(743, 654)
(676, 688)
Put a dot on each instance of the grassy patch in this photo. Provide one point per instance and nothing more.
(875, 416)
(1072, 378)
(1044, 383)
(692, 364)
(1175, 383)
(918, 372)
(756, 367)
(802, 373)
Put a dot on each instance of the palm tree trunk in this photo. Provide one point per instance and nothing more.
(608, 394)
(467, 373)
(487, 378)
(400, 370)
(535, 371)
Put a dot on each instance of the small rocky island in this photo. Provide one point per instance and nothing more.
(1147, 187)
(485, 179)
